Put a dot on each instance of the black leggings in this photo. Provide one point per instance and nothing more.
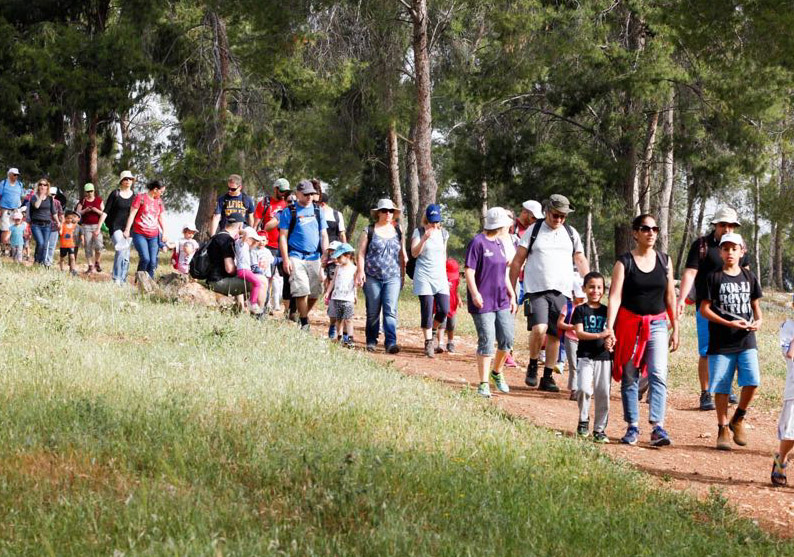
(426, 306)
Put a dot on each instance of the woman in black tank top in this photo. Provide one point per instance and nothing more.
(641, 305)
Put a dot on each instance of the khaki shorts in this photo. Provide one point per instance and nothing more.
(306, 278)
(90, 242)
(5, 219)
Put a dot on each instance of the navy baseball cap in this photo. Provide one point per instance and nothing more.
(433, 213)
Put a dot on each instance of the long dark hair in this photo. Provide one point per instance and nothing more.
(637, 222)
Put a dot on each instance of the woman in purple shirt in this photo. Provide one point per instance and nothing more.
(491, 299)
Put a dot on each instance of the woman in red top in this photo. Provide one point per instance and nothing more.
(146, 223)
(90, 209)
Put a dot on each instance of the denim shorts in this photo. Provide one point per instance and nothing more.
(494, 326)
(722, 366)
(703, 334)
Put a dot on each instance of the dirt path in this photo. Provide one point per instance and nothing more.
(691, 464)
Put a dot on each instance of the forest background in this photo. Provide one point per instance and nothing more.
(669, 107)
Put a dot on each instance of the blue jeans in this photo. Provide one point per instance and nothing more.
(655, 356)
(381, 295)
(41, 235)
(121, 259)
(147, 249)
(50, 257)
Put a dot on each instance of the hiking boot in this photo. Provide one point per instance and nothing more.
(451, 347)
(97, 268)
(583, 429)
(430, 350)
(659, 437)
(89, 270)
(370, 347)
(737, 428)
(732, 398)
(532, 375)
(600, 437)
(348, 342)
(723, 439)
(393, 349)
(706, 401)
(484, 390)
(779, 472)
(632, 435)
(305, 328)
(509, 361)
(547, 384)
(501, 384)
(439, 348)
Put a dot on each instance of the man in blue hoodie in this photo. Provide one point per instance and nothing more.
(10, 200)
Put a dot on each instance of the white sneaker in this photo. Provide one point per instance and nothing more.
(254, 308)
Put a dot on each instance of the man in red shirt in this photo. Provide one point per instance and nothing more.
(266, 218)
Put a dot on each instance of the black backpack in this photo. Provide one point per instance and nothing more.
(410, 267)
(293, 210)
(200, 264)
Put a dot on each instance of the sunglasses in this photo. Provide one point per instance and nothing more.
(558, 216)
(645, 228)
(385, 210)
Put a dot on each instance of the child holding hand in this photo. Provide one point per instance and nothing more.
(785, 425)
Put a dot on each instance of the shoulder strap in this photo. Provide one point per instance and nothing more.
(569, 230)
(293, 212)
(703, 248)
(664, 261)
(319, 228)
(534, 235)
(444, 235)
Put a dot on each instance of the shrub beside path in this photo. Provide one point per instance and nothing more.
(691, 464)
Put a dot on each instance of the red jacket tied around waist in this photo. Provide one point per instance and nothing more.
(632, 330)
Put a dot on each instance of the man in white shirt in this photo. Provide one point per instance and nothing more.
(545, 247)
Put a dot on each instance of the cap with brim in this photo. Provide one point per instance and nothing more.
(433, 213)
(495, 218)
(306, 187)
(126, 174)
(559, 203)
(88, 187)
(333, 245)
(341, 250)
(282, 184)
(234, 218)
(384, 204)
(53, 190)
(732, 238)
(16, 215)
(726, 214)
(13, 170)
(534, 208)
(189, 227)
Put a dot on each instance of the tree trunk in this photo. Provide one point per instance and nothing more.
(701, 216)
(663, 203)
(88, 159)
(689, 225)
(596, 257)
(778, 282)
(588, 233)
(646, 164)
(771, 255)
(412, 182)
(351, 227)
(126, 144)
(483, 181)
(423, 144)
(757, 225)
(206, 207)
(394, 169)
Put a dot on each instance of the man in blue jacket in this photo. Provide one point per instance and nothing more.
(10, 199)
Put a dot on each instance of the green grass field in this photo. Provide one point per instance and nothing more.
(140, 428)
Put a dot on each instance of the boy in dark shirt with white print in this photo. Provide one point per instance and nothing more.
(734, 313)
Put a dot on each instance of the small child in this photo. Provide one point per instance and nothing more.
(186, 247)
(242, 259)
(594, 362)
(570, 341)
(17, 236)
(262, 266)
(330, 269)
(785, 425)
(342, 291)
(68, 234)
(453, 278)
(734, 313)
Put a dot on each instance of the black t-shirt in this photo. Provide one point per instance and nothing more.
(242, 205)
(593, 321)
(643, 293)
(731, 298)
(118, 211)
(221, 246)
(706, 263)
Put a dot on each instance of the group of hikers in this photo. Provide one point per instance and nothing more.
(291, 248)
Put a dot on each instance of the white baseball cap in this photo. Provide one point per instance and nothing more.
(189, 227)
(53, 190)
(534, 208)
(13, 170)
(496, 217)
(251, 233)
(732, 238)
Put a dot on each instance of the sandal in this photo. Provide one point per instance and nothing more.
(779, 472)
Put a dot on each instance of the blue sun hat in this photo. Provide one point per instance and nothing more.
(341, 250)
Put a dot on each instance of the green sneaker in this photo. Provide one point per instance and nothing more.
(600, 437)
(484, 390)
(501, 384)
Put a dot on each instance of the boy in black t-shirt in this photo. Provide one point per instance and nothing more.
(734, 312)
(594, 366)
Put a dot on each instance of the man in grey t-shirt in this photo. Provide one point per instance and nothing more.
(548, 282)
